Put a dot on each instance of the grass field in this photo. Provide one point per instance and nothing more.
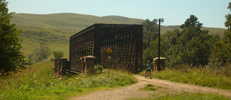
(38, 82)
(186, 96)
(161, 93)
(191, 96)
(198, 76)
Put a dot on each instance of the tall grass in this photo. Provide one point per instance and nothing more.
(199, 76)
(190, 96)
(43, 84)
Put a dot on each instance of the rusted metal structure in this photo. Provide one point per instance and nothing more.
(125, 40)
(61, 65)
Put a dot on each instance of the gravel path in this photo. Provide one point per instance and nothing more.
(133, 91)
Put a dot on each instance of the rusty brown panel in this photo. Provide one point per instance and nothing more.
(125, 40)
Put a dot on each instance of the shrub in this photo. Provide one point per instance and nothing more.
(98, 69)
(58, 54)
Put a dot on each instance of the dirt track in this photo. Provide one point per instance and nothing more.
(133, 91)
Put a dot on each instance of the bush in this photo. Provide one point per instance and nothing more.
(58, 54)
(98, 69)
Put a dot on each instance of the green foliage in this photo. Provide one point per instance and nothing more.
(220, 54)
(41, 83)
(222, 51)
(58, 54)
(150, 32)
(98, 69)
(190, 45)
(191, 96)
(191, 22)
(149, 87)
(217, 78)
(152, 51)
(39, 54)
(11, 57)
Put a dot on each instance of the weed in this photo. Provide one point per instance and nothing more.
(191, 96)
(198, 76)
(148, 87)
(43, 84)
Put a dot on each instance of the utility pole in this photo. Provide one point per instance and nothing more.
(160, 20)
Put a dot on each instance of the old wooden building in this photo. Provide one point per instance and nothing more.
(125, 41)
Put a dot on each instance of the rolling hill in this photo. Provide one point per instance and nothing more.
(55, 29)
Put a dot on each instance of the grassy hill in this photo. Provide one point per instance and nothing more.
(55, 29)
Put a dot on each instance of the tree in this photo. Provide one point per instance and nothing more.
(39, 54)
(11, 58)
(58, 54)
(228, 33)
(191, 22)
(150, 30)
(228, 25)
(222, 49)
(191, 45)
(194, 45)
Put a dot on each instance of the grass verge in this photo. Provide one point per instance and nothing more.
(197, 76)
(187, 96)
(41, 83)
(192, 96)
(148, 87)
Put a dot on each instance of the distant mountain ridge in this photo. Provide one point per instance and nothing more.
(55, 29)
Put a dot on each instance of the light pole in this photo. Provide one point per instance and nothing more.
(160, 20)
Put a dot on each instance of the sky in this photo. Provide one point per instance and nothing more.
(209, 12)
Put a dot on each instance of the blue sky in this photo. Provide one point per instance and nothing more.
(210, 12)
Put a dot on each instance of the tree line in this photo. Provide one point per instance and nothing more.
(190, 44)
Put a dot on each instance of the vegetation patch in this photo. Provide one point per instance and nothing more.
(182, 96)
(199, 76)
(191, 96)
(43, 84)
(149, 87)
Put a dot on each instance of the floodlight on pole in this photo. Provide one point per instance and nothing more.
(160, 20)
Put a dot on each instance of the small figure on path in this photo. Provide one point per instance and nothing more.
(148, 69)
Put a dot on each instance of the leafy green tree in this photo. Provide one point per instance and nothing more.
(191, 22)
(58, 54)
(222, 48)
(228, 25)
(150, 30)
(39, 54)
(11, 58)
(190, 45)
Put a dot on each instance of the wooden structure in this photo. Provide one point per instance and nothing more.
(155, 64)
(125, 40)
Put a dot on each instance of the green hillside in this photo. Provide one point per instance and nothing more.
(55, 29)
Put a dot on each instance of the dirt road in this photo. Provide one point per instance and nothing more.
(133, 91)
